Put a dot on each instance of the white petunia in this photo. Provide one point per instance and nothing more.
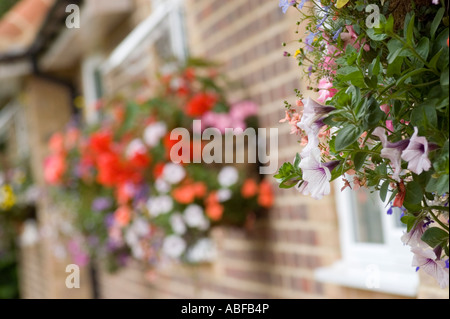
(223, 195)
(159, 205)
(136, 146)
(173, 173)
(154, 132)
(162, 186)
(177, 224)
(204, 250)
(174, 246)
(228, 176)
(194, 217)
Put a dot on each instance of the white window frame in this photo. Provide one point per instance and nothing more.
(90, 65)
(382, 267)
(146, 31)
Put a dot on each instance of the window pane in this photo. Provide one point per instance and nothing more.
(367, 217)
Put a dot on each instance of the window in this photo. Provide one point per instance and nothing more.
(373, 256)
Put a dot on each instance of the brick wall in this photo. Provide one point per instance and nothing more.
(278, 258)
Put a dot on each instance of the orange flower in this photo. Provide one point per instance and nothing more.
(184, 194)
(249, 188)
(214, 211)
(265, 198)
(400, 197)
(199, 189)
(200, 104)
(56, 143)
(122, 216)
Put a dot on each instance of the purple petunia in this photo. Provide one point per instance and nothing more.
(416, 154)
(285, 4)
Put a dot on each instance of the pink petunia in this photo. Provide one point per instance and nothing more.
(427, 260)
(416, 154)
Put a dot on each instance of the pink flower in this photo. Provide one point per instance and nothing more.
(326, 90)
(427, 260)
(416, 154)
(350, 37)
(240, 111)
(54, 168)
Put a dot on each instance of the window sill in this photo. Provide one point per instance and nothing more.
(370, 277)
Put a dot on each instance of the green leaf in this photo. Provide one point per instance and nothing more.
(376, 34)
(409, 36)
(395, 68)
(358, 159)
(384, 190)
(423, 47)
(409, 221)
(434, 60)
(436, 21)
(389, 27)
(435, 236)
(444, 78)
(414, 193)
(438, 185)
(425, 115)
(347, 136)
(411, 74)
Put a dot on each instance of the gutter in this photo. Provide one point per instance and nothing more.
(46, 33)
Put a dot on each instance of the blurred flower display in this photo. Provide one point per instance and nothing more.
(131, 200)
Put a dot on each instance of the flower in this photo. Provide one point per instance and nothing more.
(285, 4)
(416, 154)
(414, 237)
(203, 250)
(200, 104)
(249, 188)
(326, 90)
(159, 205)
(174, 246)
(122, 216)
(101, 203)
(242, 110)
(194, 217)
(228, 176)
(54, 168)
(392, 151)
(177, 224)
(316, 176)
(214, 210)
(173, 173)
(265, 197)
(154, 132)
(223, 195)
(427, 260)
(350, 38)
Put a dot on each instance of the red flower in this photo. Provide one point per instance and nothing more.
(200, 104)
(100, 142)
(400, 197)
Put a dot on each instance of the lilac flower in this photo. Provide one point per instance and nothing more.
(414, 237)
(316, 175)
(416, 154)
(435, 1)
(321, 21)
(427, 260)
(337, 33)
(310, 39)
(392, 151)
(101, 203)
(285, 4)
(301, 4)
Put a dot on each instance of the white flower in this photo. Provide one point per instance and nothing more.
(177, 224)
(154, 132)
(204, 250)
(173, 246)
(162, 186)
(173, 173)
(159, 205)
(228, 176)
(426, 260)
(136, 146)
(194, 217)
(140, 227)
(223, 195)
(316, 176)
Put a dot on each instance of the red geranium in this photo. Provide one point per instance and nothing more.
(200, 104)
